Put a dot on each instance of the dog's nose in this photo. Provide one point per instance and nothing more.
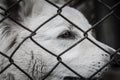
(71, 78)
(116, 60)
(115, 56)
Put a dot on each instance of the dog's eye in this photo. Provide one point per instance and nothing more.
(67, 35)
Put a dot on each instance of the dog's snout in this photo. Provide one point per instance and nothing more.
(71, 78)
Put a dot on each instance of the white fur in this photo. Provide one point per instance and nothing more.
(85, 58)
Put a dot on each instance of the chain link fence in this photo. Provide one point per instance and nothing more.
(7, 15)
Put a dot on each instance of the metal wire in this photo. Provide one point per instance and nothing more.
(58, 57)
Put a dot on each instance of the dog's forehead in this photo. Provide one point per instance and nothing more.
(71, 14)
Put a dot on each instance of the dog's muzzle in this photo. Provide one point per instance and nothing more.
(115, 64)
(114, 72)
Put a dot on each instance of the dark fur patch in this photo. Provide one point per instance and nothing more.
(12, 44)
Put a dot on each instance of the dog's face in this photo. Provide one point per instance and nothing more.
(56, 36)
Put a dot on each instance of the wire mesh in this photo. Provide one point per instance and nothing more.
(58, 57)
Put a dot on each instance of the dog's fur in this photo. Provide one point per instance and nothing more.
(57, 35)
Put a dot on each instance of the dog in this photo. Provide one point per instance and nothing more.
(56, 36)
